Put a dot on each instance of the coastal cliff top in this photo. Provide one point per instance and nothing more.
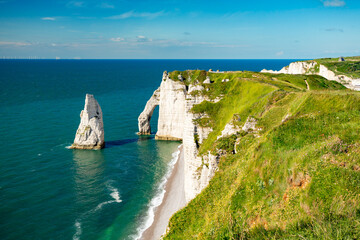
(296, 173)
(219, 80)
(224, 94)
(348, 66)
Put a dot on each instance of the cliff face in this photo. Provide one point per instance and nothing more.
(298, 68)
(197, 173)
(90, 134)
(176, 123)
(330, 75)
(171, 109)
(319, 69)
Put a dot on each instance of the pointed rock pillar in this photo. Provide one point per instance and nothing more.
(90, 134)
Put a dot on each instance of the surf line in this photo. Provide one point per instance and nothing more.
(158, 199)
(114, 193)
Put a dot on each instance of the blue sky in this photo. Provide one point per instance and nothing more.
(179, 29)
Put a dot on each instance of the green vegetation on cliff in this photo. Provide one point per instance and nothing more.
(350, 67)
(296, 176)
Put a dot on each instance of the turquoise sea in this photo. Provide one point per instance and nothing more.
(50, 192)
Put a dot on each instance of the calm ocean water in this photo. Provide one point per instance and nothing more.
(50, 192)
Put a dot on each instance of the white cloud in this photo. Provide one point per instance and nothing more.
(334, 3)
(118, 39)
(18, 44)
(48, 18)
(280, 53)
(133, 14)
(77, 4)
(143, 39)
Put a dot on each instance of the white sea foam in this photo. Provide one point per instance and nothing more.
(114, 193)
(157, 200)
(78, 230)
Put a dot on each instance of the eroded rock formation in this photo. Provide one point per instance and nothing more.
(145, 116)
(176, 122)
(90, 133)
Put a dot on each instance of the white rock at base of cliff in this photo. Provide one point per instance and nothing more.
(90, 134)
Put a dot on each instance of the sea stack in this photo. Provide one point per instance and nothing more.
(90, 134)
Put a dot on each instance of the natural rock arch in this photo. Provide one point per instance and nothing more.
(145, 116)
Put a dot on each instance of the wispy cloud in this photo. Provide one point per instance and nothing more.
(48, 18)
(68, 45)
(280, 53)
(117, 39)
(146, 41)
(334, 30)
(143, 39)
(134, 14)
(334, 3)
(76, 4)
(18, 44)
(230, 46)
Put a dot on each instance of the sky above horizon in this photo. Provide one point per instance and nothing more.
(179, 29)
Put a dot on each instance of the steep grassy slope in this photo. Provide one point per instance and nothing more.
(296, 176)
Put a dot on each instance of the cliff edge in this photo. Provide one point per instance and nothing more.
(346, 72)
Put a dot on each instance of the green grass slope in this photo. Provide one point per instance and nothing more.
(296, 177)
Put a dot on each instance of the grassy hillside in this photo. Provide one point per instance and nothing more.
(297, 176)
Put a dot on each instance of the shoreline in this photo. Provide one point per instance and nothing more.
(174, 200)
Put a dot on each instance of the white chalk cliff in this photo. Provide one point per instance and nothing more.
(90, 134)
(171, 109)
(176, 123)
(145, 116)
(315, 68)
